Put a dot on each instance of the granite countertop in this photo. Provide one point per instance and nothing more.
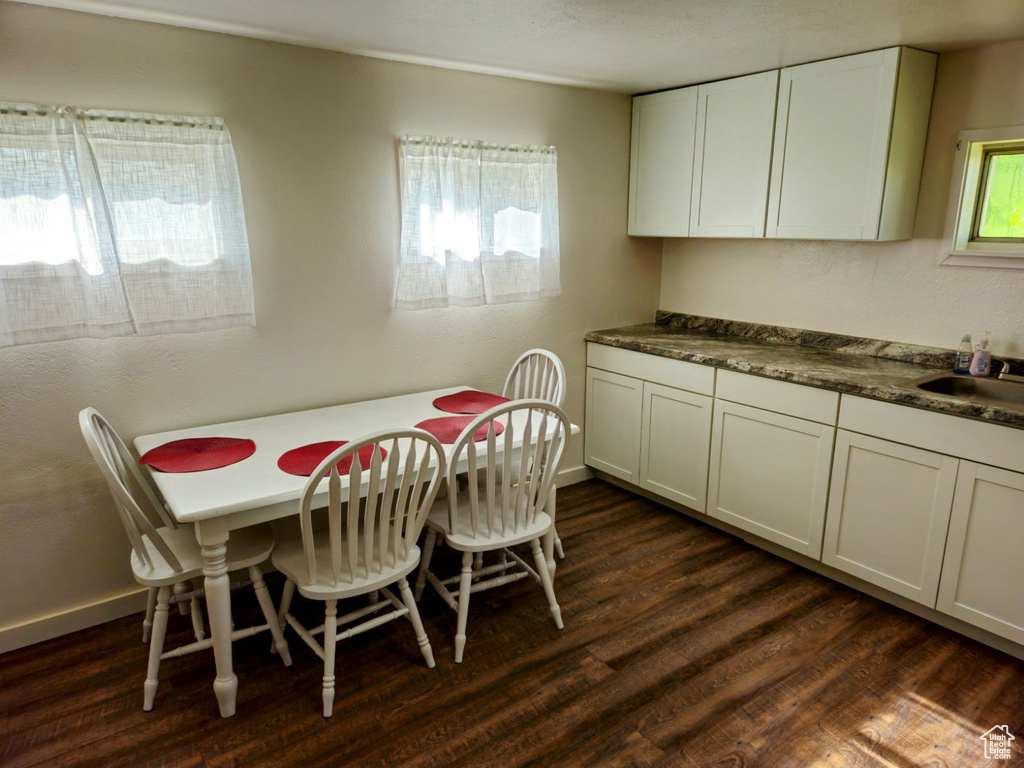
(870, 368)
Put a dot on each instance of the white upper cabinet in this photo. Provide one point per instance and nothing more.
(661, 163)
(830, 150)
(732, 156)
(849, 143)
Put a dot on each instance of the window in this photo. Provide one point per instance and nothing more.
(999, 214)
(118, 223)
(986, 218)
(479, 223)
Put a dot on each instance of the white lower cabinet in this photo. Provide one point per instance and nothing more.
(612, 436)
(983, 570)
(888, 513)
(769, 475)
(888, 506)
(674, 439)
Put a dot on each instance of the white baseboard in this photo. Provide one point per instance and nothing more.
(574, 475)
(57, 624)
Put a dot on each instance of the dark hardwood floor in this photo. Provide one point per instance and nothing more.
(682, 646)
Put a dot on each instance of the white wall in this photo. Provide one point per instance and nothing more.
(893, 291)
(315, 135)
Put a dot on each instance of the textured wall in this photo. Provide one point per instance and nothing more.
(894, 290)
(315, 136)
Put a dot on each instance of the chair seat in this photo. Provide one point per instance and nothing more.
(462, 537)
(290, 559)
(246, 547)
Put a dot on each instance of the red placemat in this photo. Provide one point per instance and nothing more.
(469, 401)
(303, 460)
(196, 454)
(448, 428)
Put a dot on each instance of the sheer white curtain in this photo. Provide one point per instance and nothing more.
(118, 223)
(479, 223)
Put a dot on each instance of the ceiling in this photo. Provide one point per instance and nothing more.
(629, 46)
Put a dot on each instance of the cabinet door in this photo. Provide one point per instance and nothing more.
(831, 143)
(661, 163)
(983, 571)
(732, 156)
(674, 442)
(769, 475)
(612, 437)
(888, 513)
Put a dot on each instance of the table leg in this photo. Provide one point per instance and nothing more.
(549, 537)
(213, 537)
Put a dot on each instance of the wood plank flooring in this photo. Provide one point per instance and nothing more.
(683, 646)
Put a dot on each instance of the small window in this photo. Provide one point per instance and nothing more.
(118, 223)
(985, 224)
(999, 216)
(479, 223)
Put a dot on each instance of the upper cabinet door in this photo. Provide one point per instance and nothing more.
(732, 156)
(849, 142)
(661, 163)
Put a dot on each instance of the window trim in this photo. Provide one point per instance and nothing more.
(973, 147)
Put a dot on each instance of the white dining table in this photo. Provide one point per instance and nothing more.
(255, 490)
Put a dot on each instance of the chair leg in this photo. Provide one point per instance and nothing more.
(197, 619)
(545, 580)
(147, 623)
(428, 552)
(558, 547)
(478, 563)
(183, 588)
(374, 597)
(156, 647)
(417, 624)
(286, 602)
(267, 606)
(330, 643)
(465, 584)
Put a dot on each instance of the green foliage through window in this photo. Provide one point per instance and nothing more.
(1002, 211)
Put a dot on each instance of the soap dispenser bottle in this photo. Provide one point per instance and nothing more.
(964, 354)
(981, 363)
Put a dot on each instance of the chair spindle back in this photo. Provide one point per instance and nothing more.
(378, 518)
(536, 374)
(131, 491)
(516, 492)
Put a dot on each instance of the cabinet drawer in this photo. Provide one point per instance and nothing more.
(968, 439)
(810, 403)
(660, 370)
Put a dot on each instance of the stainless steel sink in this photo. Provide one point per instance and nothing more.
(990, 391)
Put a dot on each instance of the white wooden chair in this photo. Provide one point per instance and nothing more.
(163, 557)
(506, 510)
(540, 374)
(536, 374)
(369, 542)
